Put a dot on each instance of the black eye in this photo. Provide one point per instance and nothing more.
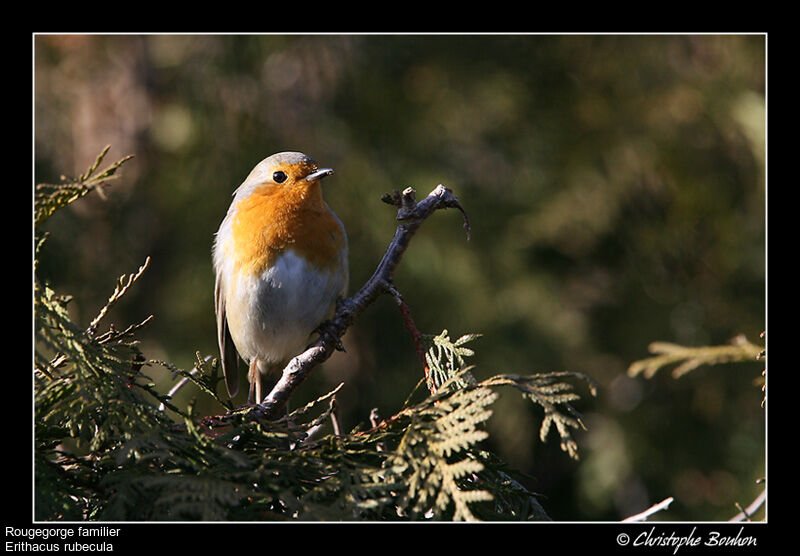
(279, 177)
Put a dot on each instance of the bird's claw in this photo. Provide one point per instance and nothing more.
(327, 330)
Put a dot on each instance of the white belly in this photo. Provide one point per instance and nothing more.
(271, 317)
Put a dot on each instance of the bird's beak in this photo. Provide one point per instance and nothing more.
(318, 174)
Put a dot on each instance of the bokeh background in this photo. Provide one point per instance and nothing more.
(616, 190)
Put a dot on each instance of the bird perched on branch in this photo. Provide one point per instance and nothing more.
(280, 257)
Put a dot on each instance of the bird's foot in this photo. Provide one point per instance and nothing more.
(329, 333)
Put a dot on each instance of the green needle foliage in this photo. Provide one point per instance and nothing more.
(105, 450)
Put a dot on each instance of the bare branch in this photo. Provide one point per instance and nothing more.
(663, 505)
(416, 335)
(410, 216)
(374, 417)
(746, 513)
(335, 422)
(174, 390)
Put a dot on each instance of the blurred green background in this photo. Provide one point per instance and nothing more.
(616, 190)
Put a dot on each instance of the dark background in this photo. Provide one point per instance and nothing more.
(616, 191)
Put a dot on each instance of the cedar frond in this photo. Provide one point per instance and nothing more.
(689, 358)
(554, 396)
(445, 360)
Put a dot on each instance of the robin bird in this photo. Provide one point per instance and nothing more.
(280, 258)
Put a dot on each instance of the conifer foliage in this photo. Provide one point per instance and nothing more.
(106, 449)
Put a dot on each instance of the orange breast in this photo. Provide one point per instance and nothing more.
(272, 220)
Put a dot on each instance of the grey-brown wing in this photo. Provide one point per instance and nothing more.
(229, 358)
